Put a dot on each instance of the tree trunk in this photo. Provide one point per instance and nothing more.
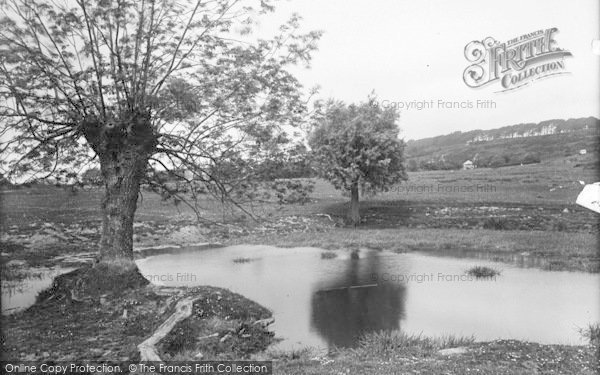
(122, 172)
(123, 147)
(354, 214)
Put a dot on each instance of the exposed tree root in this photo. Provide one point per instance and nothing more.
(183, 310)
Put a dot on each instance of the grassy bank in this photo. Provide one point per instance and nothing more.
(398, 353)
(542, 249)
(552, 250)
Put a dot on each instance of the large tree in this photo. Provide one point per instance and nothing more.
(356, 147)
(145, 85)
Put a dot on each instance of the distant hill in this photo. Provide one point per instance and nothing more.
(508, 145)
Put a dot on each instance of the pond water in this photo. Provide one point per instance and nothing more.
(326, 302)
(21, 293)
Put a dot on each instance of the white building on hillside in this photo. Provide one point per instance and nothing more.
(468, 165)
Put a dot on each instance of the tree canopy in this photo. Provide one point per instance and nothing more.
(175, 63)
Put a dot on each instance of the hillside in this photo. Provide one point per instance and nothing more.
(508, 145)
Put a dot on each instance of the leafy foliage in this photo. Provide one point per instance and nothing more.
(293, 163)
(92, 177)
(290, 191)
(358, 144)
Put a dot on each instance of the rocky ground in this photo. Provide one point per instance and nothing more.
(497, 216)
(47, 244)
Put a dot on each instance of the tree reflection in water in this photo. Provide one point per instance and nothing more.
(352, 304)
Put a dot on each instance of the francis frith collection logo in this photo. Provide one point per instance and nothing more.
(514, 63)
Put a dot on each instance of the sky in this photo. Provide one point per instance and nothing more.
(413, 51)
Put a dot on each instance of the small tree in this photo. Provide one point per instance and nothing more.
(496, 161)
(531, 158)
(357, 147)
(412, 165)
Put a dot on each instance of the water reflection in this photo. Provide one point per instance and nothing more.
(350, 304)
(342, 316)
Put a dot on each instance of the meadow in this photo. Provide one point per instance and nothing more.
(555, 183)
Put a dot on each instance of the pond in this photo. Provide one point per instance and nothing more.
(20, 293)
(331, 302)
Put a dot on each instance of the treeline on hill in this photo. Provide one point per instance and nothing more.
(509, 145)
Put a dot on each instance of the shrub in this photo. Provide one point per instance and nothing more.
(531, 158)
(412, 165)
(328, 255)
(592, 333)
(560, 226)
(384, 342)
(496, 161)
(482, 272)
(293, 191)
(92, 177)
(242, 260)
(496, 223)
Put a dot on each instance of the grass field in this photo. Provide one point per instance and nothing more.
(553, 182)
(554, 185)
(529, 209)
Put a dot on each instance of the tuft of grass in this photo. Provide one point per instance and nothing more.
(496, 223)
(304, 353)
(328, 255)
(482, 272)
(591, 333)
(243, 260)
(560, 226)
(19, 274)
(389, 342)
